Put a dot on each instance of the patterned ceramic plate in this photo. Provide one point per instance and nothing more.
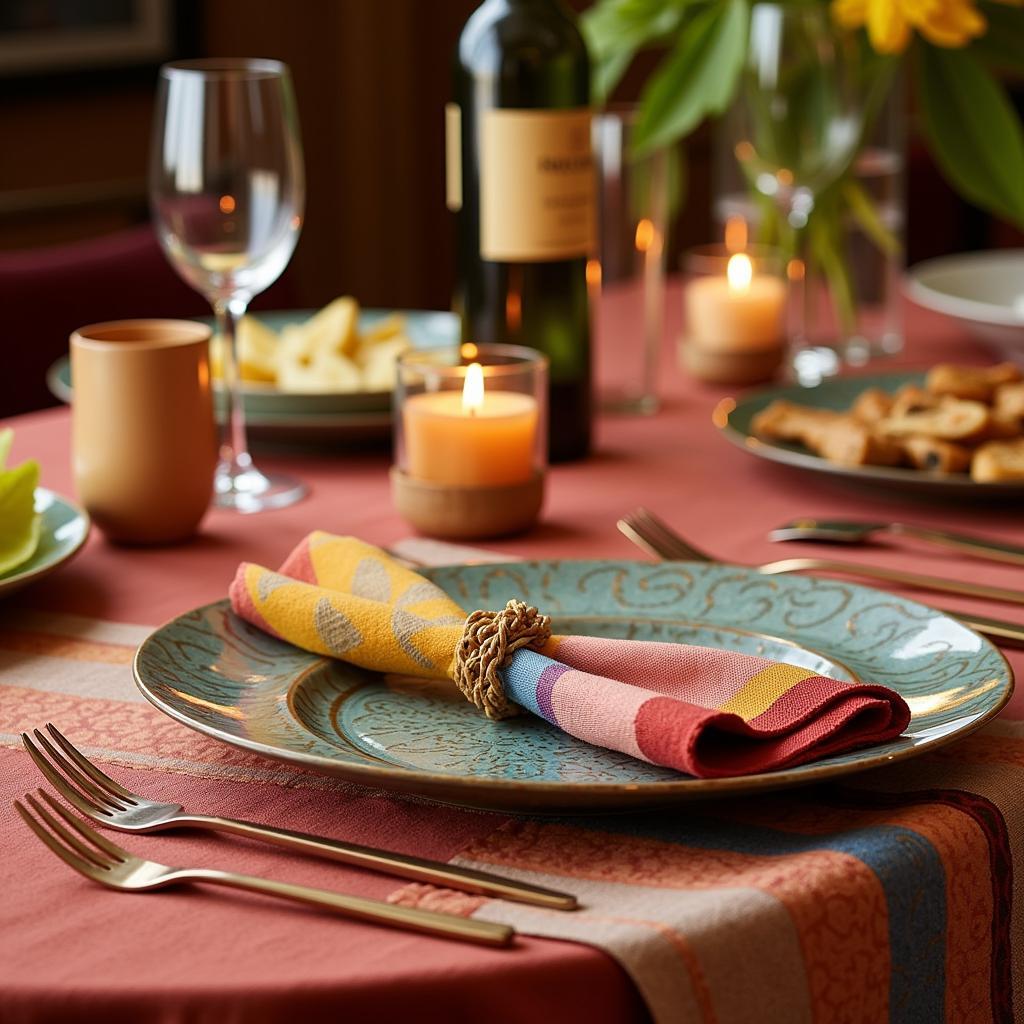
(282, 416)
(215, 673)
(64, 530)
(734, 417)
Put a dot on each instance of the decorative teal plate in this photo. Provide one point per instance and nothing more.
(65, 528)
(213, 672)
(286, 416)
(734, 417)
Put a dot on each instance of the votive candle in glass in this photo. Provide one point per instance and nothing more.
(470, 439)
(735, 313)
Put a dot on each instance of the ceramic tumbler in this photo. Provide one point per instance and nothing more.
(144, 444)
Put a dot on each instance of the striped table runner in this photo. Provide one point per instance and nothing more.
(895, 897)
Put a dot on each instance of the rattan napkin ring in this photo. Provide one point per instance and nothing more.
(489, 640)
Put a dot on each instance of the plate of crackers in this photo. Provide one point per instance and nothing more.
(312, 376)
(953, 430)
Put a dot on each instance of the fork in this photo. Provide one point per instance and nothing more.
(107, 863)
(656, 537)
(96, 795)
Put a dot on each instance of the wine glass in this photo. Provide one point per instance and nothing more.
(227, 193)
(798, 122)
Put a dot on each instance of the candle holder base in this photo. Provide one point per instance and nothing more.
(725, 367)
(467, 513)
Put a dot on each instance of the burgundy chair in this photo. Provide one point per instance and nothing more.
(46, 293)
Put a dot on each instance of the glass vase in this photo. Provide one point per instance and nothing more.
(844, 236)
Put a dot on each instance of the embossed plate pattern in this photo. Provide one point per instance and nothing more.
(215, 673)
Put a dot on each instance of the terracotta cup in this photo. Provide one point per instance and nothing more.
(144, 444)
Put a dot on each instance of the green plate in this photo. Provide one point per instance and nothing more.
(734, 417)
(284, 416)
(65, 528)
(213, 672)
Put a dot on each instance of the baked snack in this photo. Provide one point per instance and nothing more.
(838, 437)
(973, 382)
(998, 462)
(964, 419)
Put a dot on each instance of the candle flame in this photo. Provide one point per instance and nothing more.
(468, 351)
(644, 235)
(473, 389)
(593, 273)
(740, 272)
(227, 204)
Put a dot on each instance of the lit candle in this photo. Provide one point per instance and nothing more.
(741, 312)
(470, 439)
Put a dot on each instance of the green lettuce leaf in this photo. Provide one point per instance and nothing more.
(19, 522)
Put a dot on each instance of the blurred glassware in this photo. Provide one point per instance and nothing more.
(811, 158)
(227, 192)
(626, 277)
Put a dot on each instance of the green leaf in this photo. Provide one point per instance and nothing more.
(6, 440)
(1002, 45)
(697, 78)
(973, 130)
(616, 29)
(866, 214)
(19, 521)
(607, 73)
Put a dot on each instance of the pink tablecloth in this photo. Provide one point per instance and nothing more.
(70, 950)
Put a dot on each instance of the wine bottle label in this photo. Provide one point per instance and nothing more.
(453, 156)
(536, 185)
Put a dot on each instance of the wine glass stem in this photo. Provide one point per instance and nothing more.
(234, 449)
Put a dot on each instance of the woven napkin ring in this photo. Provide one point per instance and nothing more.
(488, 642)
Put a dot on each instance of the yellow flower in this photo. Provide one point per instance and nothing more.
(889, 23)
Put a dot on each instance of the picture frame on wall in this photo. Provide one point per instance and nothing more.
(74, 37)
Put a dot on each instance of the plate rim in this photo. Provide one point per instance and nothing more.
(17, 579)
(978, 311)
(378, 776)
(722, 418)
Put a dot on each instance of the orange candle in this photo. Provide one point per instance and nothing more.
(472, 439)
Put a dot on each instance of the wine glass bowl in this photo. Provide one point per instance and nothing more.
(799, 118)
(796, 128)
(227, 194)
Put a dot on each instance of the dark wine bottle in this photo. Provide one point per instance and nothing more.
(521, 176)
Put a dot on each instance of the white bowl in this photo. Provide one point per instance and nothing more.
(982, 290)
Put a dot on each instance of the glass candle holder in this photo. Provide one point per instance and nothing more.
(735, 313)
(470, 440)
(626, 276)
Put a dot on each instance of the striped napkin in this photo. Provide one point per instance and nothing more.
(702, 711)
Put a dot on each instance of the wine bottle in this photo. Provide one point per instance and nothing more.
(521, 177)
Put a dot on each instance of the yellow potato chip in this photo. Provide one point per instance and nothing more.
(383, 330)
(379, 363)
(335, 327)
(323, 372)
(256, 348)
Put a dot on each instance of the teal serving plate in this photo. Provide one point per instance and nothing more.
(213, 672)
(735, 416)
(64, 530)
(286, 416)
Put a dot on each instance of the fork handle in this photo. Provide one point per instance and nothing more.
(449, 926)
(910, 579)
(990, 549)
(417, 869)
